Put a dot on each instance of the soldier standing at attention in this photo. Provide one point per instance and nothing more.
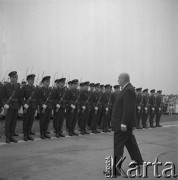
(152, 103)
(159, 108)
(145, 108)
(106, 98)
(59, 106)
(29, 100)
(11, 103)
(139, 100)
(91, 91)
(72, 98)
(46, 106)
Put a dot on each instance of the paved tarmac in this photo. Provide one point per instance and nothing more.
(83, 157)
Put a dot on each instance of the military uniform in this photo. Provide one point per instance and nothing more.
(158, 108)
(46, 106)
(106, 108)
(59, 108)
(95, 107)
(11, 102)
(152, 101)
(145, 108)
(29, 100)
(139, 100)
(73, 108)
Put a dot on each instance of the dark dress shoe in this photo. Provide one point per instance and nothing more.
(30, 138)
(138, 127)
(152, 126)
(75, 134)
(104, 130)
(8, 140)
(32, 133)
(70, 134)
(108, 130)
(94, 132)
(86, 132)
(42, 136)
(47, 132)
(25, 138)
(57, 135)
(61, 135)
(98, 131)
(159, 125)
(82, 133)
(13, 140)
(15, 134)
(47, 136)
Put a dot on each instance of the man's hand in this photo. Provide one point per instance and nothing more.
(44, 106)
(96, 108)
(58, 106)
(26, 106)
(6, 106)
(72, 106)
(123, 128)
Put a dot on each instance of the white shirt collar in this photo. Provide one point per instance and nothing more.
(125, 86)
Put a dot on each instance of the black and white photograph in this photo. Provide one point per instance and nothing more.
(88, 89)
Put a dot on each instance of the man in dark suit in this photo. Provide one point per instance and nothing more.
(123, 122)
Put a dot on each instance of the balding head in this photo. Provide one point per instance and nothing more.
(123, 79)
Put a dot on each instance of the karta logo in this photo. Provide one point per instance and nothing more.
(135, 170)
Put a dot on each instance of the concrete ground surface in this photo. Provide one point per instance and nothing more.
(83, 157)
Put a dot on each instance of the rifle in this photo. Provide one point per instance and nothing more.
(49, 96)
(86, 102)
(28, 101)
(98, 102)
(9, 100)
(76, 101)
(57, 110)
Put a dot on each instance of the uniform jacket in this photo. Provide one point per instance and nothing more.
(124, 109)
(7, 91)
(29, 95)
(44, 94)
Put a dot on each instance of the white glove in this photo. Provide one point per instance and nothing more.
(44, 106)
(26, 106)
(146, 108)
(153, 109)
(58, 106)
(83, 107)
(160, 109)
(6, 106)
(72, 106)
(139, 107)
(107, 109)
(96, 108)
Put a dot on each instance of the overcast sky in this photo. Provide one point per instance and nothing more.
(92, 39)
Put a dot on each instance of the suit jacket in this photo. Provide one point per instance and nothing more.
(124, 109)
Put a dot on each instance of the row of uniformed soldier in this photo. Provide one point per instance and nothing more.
(89, 109)
(149, 107)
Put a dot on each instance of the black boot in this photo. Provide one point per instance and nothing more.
(8, 140)
(30, 138)
(25, 138)
(13, 140)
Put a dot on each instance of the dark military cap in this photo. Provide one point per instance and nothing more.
(152, 91)
(24, 82)
(145, 90)
(91, 84)
(30, 76)
(107, 86)
(116, 86)
(60, 80)
(75, 81)
(97, 84)
(13, 73)
(138, 89)
(87, 83)
(82, 84)
(159, 91)
(101, 86)
(46, 78)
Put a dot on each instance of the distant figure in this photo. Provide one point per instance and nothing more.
(123, 122)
